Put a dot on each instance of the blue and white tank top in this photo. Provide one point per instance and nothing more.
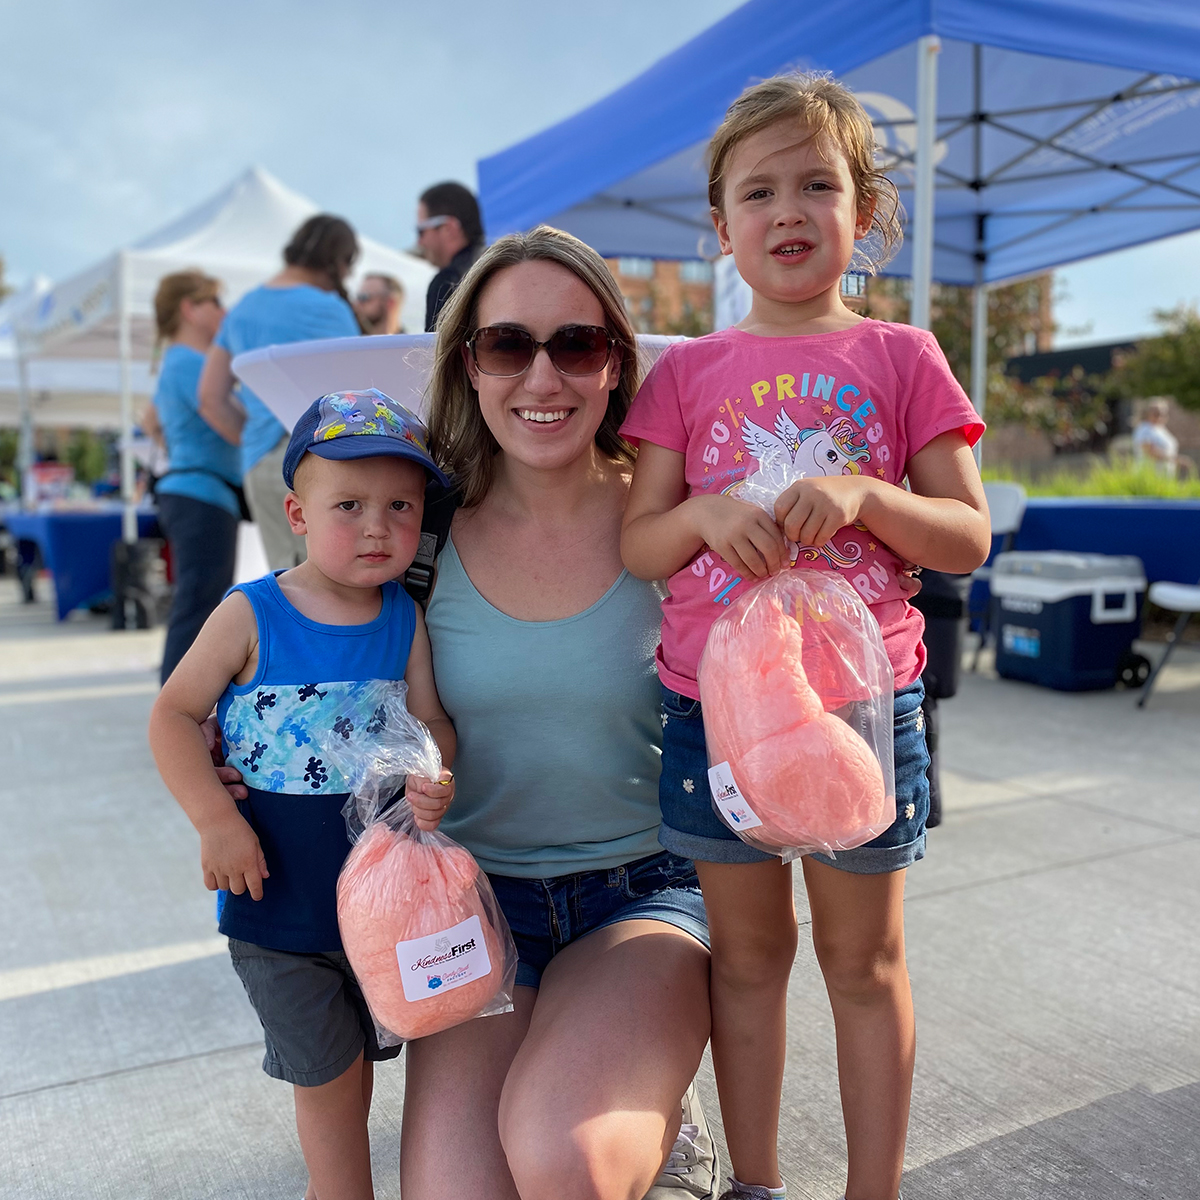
(273, 729)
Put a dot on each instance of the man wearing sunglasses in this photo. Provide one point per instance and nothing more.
(450, 235)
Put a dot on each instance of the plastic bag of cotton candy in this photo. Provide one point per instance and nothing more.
(796, 690)
(418, 918)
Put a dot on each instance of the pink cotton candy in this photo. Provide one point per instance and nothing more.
(395, 888)
(816, 784)
(775, 666)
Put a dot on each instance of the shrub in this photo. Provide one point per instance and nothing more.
(1102, 480)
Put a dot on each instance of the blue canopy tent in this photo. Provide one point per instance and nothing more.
(1049, 131)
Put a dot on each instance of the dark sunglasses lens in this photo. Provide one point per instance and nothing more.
(579, 349)
(503, 351)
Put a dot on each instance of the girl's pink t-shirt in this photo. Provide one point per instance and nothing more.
(861, 400)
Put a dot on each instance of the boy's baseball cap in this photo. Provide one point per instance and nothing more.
(347, 425)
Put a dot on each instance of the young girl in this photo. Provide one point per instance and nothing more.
(858, 405)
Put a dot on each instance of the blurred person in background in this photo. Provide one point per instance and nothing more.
(305, 301)
(450, 236)
(1153, 442)
(379, 303)
(199, 494)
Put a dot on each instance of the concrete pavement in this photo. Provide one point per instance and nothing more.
(1051, 938)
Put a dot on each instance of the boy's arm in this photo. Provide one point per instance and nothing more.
(230, 854)
(663, 529)
(429, 798)
(942, 523)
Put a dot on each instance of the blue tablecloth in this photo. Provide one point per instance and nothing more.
(1164, 534)
(75, 549)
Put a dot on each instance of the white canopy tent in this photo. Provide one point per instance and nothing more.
(92, 335)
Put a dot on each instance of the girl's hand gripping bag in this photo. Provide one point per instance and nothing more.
(796, 690)
(419, 922)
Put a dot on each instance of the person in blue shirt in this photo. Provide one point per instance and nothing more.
(305, 301)
(280, 658)
(199, 495)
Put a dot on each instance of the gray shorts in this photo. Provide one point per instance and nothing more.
(314, 1017)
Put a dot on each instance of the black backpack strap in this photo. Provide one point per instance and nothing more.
(435, 529)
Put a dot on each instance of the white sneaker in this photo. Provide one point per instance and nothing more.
(691, 1171)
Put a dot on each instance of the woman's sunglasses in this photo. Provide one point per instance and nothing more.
(507, 350)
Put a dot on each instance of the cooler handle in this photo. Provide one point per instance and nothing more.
(1102, 615)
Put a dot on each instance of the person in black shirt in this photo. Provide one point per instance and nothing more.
(450, 235)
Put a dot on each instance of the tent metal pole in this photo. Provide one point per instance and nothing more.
(25, 449)
(979, 341)
(125, 354)
(979, 346)
(979, 295)
(928, 48)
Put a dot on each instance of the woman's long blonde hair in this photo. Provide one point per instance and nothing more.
(459, 437)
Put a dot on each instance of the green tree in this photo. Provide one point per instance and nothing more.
(1077, 412)
(8, 456)
(4, 288)
(88, 454)
(1015, 311)
(1168, 365)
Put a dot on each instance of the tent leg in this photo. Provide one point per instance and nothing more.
(125, 353)
(928, 48)
(25, 448)
(979, 347)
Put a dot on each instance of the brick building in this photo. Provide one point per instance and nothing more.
(666, 296)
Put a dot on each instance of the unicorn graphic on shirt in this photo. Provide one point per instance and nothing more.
(832, 450)
(836, 449)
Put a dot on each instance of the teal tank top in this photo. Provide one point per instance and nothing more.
(559, 727)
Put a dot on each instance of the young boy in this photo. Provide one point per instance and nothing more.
(278, 657)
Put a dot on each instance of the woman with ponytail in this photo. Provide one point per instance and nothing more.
(306, 300)
(199, 495)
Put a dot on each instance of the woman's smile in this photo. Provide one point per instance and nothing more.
(544, 416)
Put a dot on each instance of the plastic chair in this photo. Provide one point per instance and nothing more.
(1180, 598)
(1006, 503)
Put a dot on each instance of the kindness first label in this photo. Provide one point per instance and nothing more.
(731, 804)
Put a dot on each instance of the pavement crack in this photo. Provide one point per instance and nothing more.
(1133, 819)
(119, 1071)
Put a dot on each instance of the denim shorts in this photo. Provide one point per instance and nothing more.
(546, 915)
(315, 1019)
(692, 828)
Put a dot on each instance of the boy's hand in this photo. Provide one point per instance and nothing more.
(231, 857)
(429, 799)
(742, 534)
(811, 511)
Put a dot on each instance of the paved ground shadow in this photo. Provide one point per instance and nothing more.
(1131, 1145)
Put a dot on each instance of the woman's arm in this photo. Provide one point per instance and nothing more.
(942, 523)
(152, 426)
(429, 798)
(218, 405)
(663, 529)
(230, 854)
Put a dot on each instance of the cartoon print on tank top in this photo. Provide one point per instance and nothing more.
(273, 735)
(831, 434)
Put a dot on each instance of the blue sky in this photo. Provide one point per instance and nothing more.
(117, 116)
